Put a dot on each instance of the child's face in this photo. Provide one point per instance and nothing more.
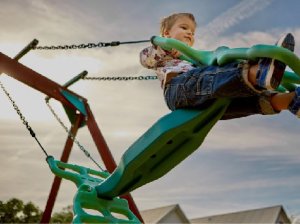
(183, 30)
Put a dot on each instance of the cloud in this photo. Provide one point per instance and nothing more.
(231, 17)
(212, 182)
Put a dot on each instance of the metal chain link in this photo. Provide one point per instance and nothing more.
(89, 45)
(122, 78)
(72, 136)
(23, 119)
(16, 108)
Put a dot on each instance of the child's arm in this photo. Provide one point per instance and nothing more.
(151, 57)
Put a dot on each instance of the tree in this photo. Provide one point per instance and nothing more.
(15, 211)
(65, 216)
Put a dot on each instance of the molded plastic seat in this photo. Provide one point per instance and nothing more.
(168, 142)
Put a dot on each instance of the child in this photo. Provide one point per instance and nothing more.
(249, 85)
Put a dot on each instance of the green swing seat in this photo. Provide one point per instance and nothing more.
(170, 140)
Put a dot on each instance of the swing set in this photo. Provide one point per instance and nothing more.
(163, 146)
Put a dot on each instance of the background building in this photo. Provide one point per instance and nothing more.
(174, 214)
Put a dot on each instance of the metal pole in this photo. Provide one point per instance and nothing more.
(26, 49)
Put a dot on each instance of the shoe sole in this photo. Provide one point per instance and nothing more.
(277, 68)
(294, 106)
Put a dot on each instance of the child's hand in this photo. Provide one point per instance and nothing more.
(175, 53)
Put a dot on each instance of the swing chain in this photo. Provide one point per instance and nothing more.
(122, 78)
(72, 136)
(23, 119)
(18, 111)
(89, 45)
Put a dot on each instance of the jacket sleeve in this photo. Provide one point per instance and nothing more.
(151, 57)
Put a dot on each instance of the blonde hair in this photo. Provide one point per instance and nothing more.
(167, 22)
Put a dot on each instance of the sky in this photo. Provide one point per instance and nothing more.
(245, 163)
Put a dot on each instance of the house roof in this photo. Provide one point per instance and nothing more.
(262, 215)
(157, 214)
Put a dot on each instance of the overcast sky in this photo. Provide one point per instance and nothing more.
(243, 164)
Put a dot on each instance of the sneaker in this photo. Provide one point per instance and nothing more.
(294, 106)
(270, 71)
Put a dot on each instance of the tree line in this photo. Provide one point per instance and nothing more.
(16, 211)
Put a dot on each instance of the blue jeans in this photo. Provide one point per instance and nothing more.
(199, 87)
